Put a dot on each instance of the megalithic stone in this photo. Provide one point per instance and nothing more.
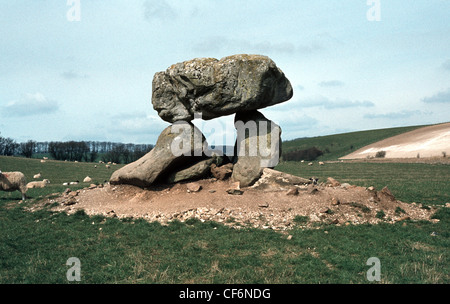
(176, 145)
(258, 146)
(215, 88)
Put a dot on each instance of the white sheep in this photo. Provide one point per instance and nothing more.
(37, 175)
(87, 179)
(321, 163)
(39, 184)
(12, 181)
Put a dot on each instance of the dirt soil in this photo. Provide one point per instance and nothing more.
(279, 210)
(429, 142)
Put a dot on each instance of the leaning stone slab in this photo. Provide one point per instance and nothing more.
(175, 144)
(273, 180)
(197, 170)
(214, 88)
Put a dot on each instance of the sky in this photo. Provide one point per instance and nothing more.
(83, 69)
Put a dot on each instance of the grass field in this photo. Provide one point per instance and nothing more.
(34, 246)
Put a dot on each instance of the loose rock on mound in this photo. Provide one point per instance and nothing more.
(277, 208)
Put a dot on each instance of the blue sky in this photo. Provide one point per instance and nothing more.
(91, 79)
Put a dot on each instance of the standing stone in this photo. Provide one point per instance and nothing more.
(258, 146)
(176, 144)
(215, 88)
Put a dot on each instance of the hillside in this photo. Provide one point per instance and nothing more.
(338, 145)
(430, 141)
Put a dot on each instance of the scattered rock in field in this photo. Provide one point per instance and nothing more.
(292, 191)
(235, 191)
(313, 190)
(273, 180)
(332, 182)
(335, 201)
(325, 210)
(387, 193)
(314, 180)
(404, 218)
(69, 202)
(193, 187)
(235, 185)
(223, 172)
(111, 213)
(345, 185)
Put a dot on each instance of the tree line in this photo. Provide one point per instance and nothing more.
(309, 154)
(88, 151)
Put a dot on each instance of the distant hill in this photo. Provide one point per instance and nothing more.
(429, 141)
(339, 145)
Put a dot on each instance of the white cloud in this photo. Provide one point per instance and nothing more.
(446, 65)
(394, 115)
(69, 75)
(158, 9)
(441, 97)
(326, 103)
(137, 127)
(331, 83)
(221, 43)
(31, 104)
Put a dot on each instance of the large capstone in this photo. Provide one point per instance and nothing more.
(215, 88)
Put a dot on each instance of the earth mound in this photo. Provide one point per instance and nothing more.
(222, 201)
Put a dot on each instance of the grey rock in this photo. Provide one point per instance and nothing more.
(193, 187)
(273, 180)
(258, 146)
(222, 172)
(216, 88)
(175, 144)
(195, 171)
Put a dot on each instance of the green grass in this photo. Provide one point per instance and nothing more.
(409, 182)
(34, 246)
(58, 172)
(339, 145)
